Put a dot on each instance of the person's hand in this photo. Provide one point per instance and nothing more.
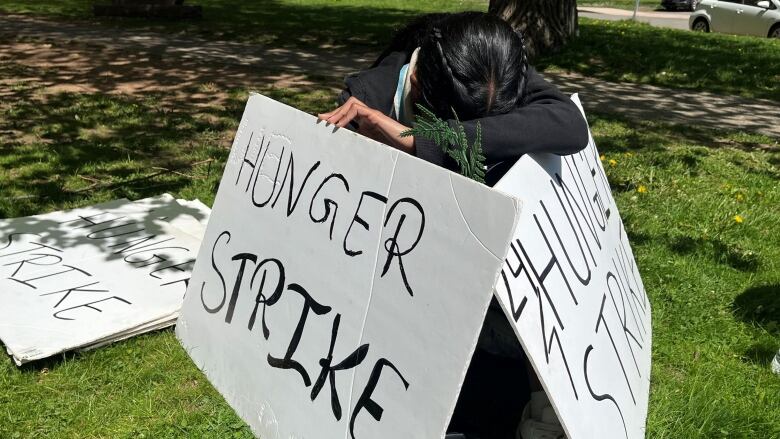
(371, 123)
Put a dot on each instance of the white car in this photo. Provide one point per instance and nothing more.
(743, 17)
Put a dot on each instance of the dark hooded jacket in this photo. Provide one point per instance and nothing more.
(546, 121)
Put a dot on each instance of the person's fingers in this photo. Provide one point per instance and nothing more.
(357, 110)
(340, 112)
(333, 117)
(329, 115)
(325, 116)
(353, 112)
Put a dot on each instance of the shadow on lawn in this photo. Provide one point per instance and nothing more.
(617, 132)
(634, 52)
(760, 305)
(68, 147)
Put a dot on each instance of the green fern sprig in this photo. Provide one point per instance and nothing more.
(453, 142)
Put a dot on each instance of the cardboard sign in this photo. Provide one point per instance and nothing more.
(341, 285)
(86, 277)
(572, 290)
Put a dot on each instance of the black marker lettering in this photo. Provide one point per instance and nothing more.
(612, 340)
(329, 372)
(365, 401)
(391, 245)
(246, 162)
(221, 277)
(37, 244)
(177, 267)
(10, 240)
(584, 279)
(28, 282)
(291, 172)
(78, 289)
(276, 178)
(603, 397)
(361, 221)
(243, 257)
(32, 261)
(97, 233)
(89, 305)
(261, 298)
(287, 362)
(327, 202)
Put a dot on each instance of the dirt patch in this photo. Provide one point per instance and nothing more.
(80, 68)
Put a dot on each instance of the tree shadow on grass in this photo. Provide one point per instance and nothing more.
(626, 51)
(74, 143)
(760, 306)
(761, 353)
(616, 132)
(279, 24)
(730, 254)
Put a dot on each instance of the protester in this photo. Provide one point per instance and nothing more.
(472, 66)
(472, 63)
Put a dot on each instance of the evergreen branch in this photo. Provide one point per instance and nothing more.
(453, 142)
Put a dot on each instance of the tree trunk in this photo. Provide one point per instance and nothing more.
(546, 24)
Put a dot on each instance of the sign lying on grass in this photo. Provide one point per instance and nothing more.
(86, 277)
(341, 285)
(572, 290)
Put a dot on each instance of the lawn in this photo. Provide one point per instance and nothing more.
(700, 208)
(615, 51)
(637, 52)
(619, 4)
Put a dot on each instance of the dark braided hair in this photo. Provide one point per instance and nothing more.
(472, 63)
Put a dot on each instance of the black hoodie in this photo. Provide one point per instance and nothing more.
(547, 121)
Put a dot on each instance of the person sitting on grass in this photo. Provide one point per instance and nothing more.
(469, 65)
(471, 70)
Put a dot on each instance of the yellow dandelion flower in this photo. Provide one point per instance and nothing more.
(738, 219)
(641, 189)
(740, 197)
(602, 157)
(612, 162)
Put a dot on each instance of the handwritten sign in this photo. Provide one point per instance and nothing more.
(86, 277)
(341, 284)
(572, 290)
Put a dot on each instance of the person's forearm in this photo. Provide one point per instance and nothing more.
(391, 129)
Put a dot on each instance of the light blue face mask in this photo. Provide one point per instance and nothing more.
(403, 109)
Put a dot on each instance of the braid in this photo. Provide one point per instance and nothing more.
(436, 36)
(523, 82)
(437, 42)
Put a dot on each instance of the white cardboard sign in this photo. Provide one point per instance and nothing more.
(341, 285)
(85, 277)
(572, 290)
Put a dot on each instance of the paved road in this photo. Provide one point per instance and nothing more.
(672, 20)
(643, 102)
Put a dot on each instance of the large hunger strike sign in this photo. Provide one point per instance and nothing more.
(341, 285)
(572, 290)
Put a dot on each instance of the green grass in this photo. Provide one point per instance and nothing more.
(637, 52)
(714, 283)
(362, 23)
(620, 4)
(615, 51)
